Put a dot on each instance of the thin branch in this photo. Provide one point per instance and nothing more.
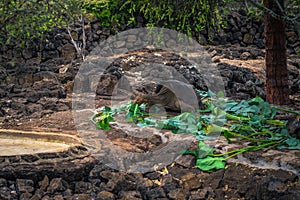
(83, 37)
(246, 4)
(78, 49)
(280, 7)
(273, 14)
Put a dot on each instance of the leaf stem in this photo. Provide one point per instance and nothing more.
(236, 152)
(287, 110)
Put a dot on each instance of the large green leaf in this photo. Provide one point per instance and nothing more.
(293, 143)
(210, 163)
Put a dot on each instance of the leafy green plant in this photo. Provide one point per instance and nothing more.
(252, 121)
(24, 21)
(206, 160)
(135, 113)
(105, 117)
(185, 16)
(254, 13)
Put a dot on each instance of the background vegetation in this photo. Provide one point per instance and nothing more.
(180, 15)
(24, 20)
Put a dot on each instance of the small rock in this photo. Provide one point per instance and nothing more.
(187, 161)
(216, 59)
(295, 86)
(56, 185)
(245, 55)
(33, 108)
(249, 83)
(213, 53)
(25, 185)
(36, 197)
(105, 195)
(191, 182)
(68, 52)
(119, 44)
(83, 187)
(292, 37)
(238, 36)
(114, 180)
(248, 38)
(68, 192)
(5, 193)
(255, 52)
(50, 55)
(177, 194)
(2, 93)
(155, 193)
(131, 38)
(147, 182)
(46, 198)
(60, 197)
(293, 127)
(277, 186)
(61, 107)
(131, 195)
(25, 196)
(168, 183)
(244, 30)
(27, 53)
(200, 194)
(44, 183)
(253, 31)
(3, 182)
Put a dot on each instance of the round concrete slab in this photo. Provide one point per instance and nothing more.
(17, 142)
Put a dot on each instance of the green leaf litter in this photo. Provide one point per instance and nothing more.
(252, 121)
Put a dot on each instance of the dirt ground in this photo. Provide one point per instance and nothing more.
(238, 181)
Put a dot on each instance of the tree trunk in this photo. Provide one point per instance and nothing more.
(277, 88)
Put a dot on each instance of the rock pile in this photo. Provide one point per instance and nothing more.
(35, 89)
(44, 88)
(177, 181)
(245, 30)
(241, 30)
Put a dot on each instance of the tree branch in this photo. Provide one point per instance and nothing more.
(83, 38)
(78, 49)
(275, 15)
(280, 7)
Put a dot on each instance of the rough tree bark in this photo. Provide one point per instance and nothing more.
(277, 89)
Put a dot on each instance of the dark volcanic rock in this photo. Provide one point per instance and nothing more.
(25, 185)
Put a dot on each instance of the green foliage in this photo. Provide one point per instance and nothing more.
(291, 8)
(24, 20)
(185, 16)
(298, 52)
(249, 120)
(105, 117)
(27, 20)
(254, 13)
(107, 11)
(205, 161)
(135, 113)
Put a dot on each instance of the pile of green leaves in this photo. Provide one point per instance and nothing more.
(250, 121)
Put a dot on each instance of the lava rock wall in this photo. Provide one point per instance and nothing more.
(241, 30)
